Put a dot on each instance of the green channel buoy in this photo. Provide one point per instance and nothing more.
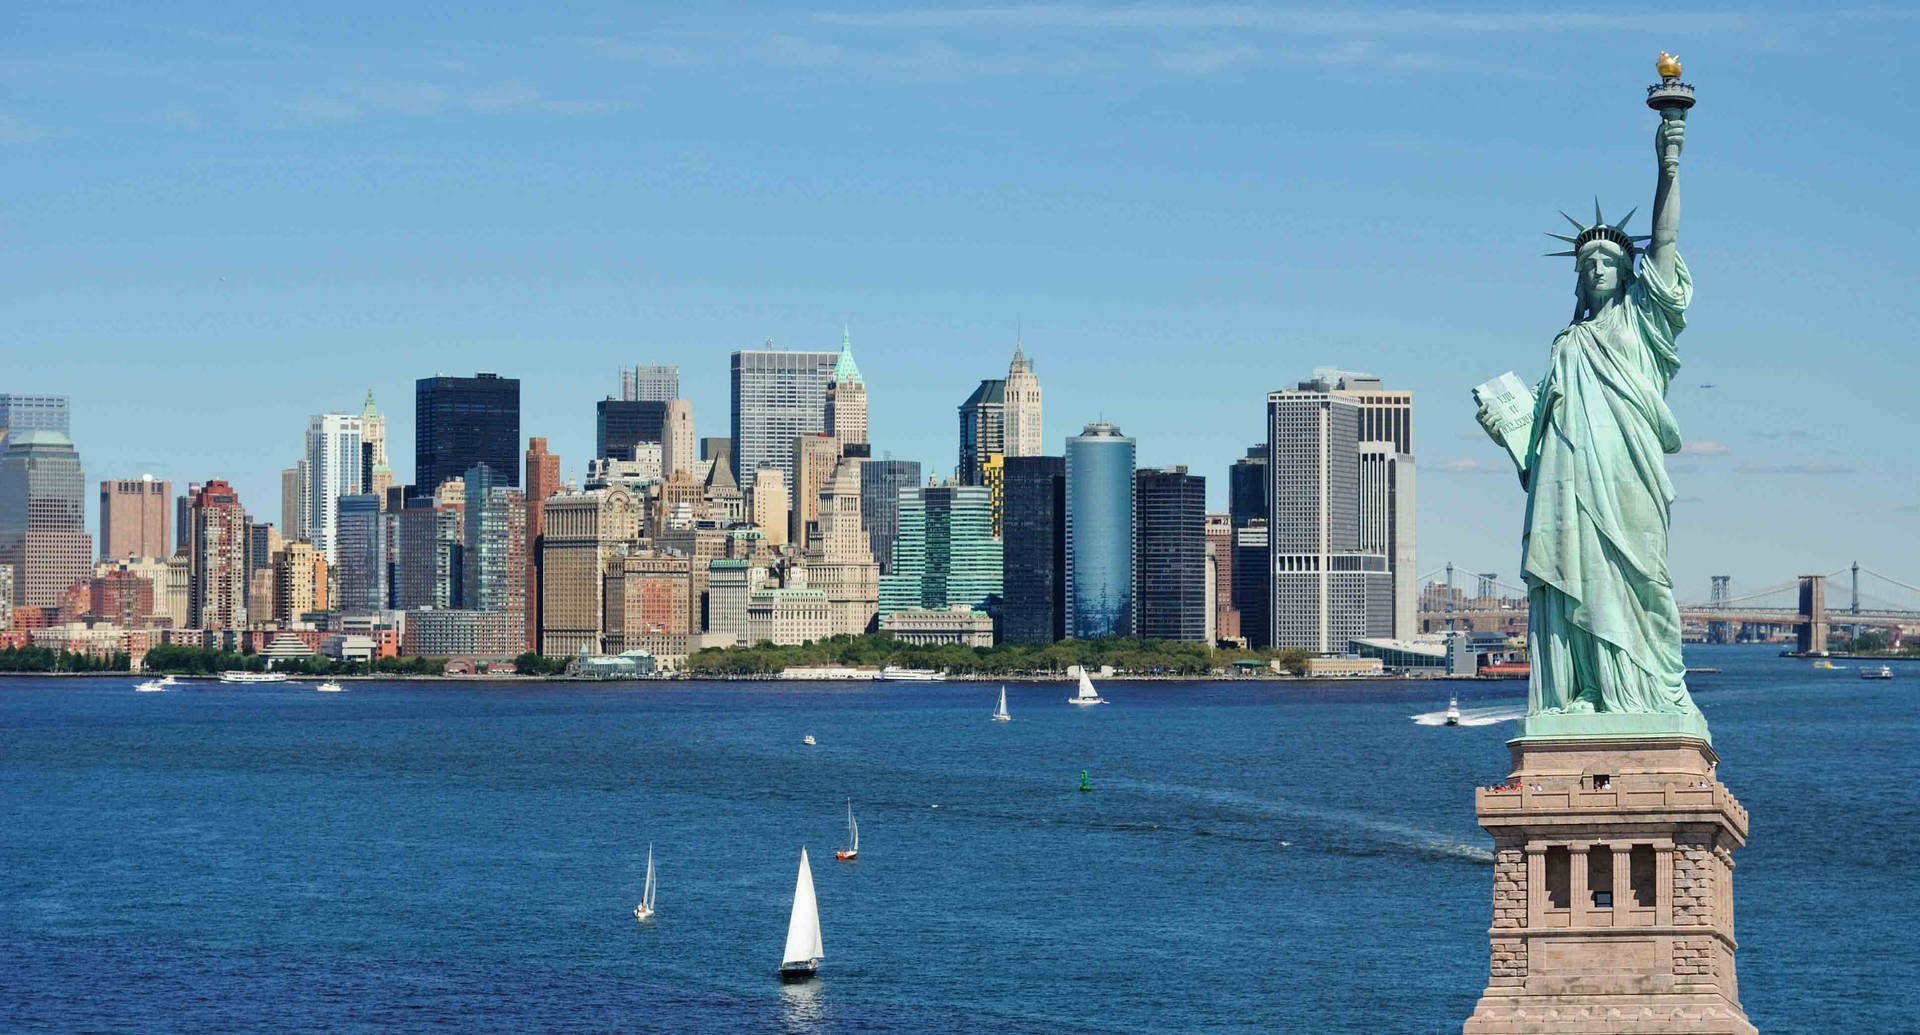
(1085, 784)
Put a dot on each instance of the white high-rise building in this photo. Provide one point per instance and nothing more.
(333, 471)
(1329, 586)
(679, 449)
(1386, 525)
(1021, 409)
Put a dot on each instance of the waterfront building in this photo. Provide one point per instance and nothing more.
(475, 635)
(1386, 526)
(376, 474)
(293, 501)
(814, 458)
(839, 555)
(846, 414)
(703, 542)
(1101, 598)
(217, 592)
(945, 552)
(179, 586)
(1021, 406)
(1220, 548)
(678, 445)
(333, 471)
(260, 593)
(43, 524)
(493, 573)
(880, 485)
(21, 413)
(982, 430)
(730, 582)
(431, 552)
(1035, 525)
(542, 481)
(786, 616)
(647, 605)
(360, 552)
(619, 426)
(1170, 550)
(129, 593)
(299, 582)
(777, 397)
(6, 597)
(133, 517)
(769, 504)
(1327, 590)
(1249, 487)
(463, 421)
(959, 625)
(583, 530)
(655, 383)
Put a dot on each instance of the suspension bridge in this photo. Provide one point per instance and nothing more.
(1456, 598)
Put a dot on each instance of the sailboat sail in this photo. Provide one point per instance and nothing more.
(803, 928)
(853, 830)
(1086, 686)
(647, 894)
(1002, 713)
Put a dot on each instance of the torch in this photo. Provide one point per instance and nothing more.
(1670, 97)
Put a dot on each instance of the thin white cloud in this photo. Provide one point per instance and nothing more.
(1302, 21)
(324, 109)
(1464, 465)
(1705, 447)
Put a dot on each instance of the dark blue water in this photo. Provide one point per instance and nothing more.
(1254, 857)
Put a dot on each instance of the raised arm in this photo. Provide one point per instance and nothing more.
(1667, 142)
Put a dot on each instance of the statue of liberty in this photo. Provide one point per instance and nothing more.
(1603, 629)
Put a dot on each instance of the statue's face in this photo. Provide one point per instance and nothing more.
(1603, 272)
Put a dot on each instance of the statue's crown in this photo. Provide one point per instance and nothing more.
(1601, 230)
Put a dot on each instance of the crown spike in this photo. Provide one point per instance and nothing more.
(1622, 224)
(1577, 225)
(1563, 237)
(1641, 237)
(1555, 255)
(1598, 219)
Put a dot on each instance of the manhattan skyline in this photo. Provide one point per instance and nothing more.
(225, 227)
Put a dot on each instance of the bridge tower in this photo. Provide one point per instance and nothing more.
(1722, 591)
(1449, 590)
(1813, 614)
(1487, 590)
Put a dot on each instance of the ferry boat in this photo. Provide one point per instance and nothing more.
(1883, 672)
(237, 676)
(896, 674)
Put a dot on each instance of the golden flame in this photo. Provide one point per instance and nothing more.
(1668, 65)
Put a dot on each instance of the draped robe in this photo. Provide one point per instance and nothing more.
(1603, 628)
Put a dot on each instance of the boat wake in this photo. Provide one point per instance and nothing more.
(1474, 716)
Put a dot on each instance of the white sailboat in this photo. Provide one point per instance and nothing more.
(644, 911)
(801, 960)
(852, 851)
(1087, 694)
(1001, 714)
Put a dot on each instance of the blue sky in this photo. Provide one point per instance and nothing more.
(221, 219)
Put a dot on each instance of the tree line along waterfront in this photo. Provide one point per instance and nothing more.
(1129, 656)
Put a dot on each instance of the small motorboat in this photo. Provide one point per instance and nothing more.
(151, 686)
(852, 851)
(1453, 711)
(329, 687)
(1883, 672)
(808, 740)
(168, 680)
(1828, 666)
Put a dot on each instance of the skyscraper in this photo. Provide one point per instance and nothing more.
(376, 474)
(1170, 549)
(217, 559)
(847, 397)
(134, 518)
(43, 523)
(777, 397)
(1036, 528)
(20, 414)
(769, 505)
(542, 481)
(1327, 590)
(1249, 491)
(880, 485)
(463, 421)
(333, 471)
(649, 383)
(1386, 525)
(982, 430)
(293, 501)
(495, 561)
(183, 518)
(1220, 541)
(1101, 598)
(360, 554)
(619, 426)
(678, 447)
(299, 581)
(945, 553)
(1022, 408)
(814, 458)
(839, 559)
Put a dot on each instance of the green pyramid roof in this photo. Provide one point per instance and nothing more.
(844, 369)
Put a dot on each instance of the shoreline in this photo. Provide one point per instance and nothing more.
(685, 678)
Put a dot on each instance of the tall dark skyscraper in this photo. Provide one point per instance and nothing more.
(1170, 554)
(619, 425)
(463, 421)
(880, 485)
(1249, 500)
(1101, 597)
(1036, 565)
(983, 430)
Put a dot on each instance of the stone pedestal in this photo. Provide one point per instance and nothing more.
(1612, 890)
